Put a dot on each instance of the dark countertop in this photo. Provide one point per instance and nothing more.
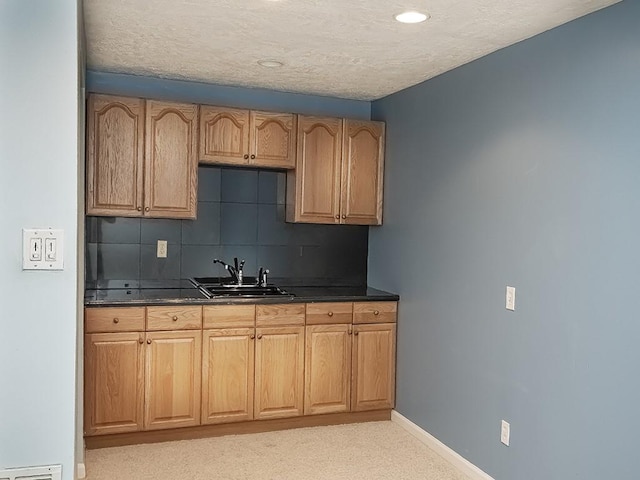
(181, 292)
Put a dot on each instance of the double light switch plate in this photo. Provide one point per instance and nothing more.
(42, 249)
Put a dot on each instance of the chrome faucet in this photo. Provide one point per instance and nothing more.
(261, 281)
(235, 270)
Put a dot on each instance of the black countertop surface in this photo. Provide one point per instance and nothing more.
(182, 292)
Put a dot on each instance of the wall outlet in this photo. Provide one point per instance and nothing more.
(505, 432)
(511, 298)
(162, 249)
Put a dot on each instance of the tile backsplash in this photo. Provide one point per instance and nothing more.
(241, 213)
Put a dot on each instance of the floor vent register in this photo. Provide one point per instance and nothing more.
(51, 472)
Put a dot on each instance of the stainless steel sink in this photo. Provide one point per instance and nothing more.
(212, 287)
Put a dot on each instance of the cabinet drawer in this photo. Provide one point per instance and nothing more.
(375, 312)
(325, 313)
(174, 318)
(280, 314)
(113, 319)
(229, 316)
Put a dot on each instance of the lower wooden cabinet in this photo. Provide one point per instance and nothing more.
(279, 372)
(227, 375)
(136, 381)
(374, 367)
(350, 367)
(247, 364)
(141, 381)
(114, 382)
(172, 379)
(327, 369)
(251, 372)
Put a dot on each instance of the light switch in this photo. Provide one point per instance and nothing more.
(42, 249)
(50, 249)
(35, 249)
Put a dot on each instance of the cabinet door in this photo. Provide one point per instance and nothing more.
(114, 384)
(362, 173)
(115, 143)
(227, 375)
(171, 169)
(224, 135)
(327, 369)
(313, 188)
(272, 140)
(374, 360)
(172, 380)
(279, 375)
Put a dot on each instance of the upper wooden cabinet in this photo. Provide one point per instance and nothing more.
(313, 188)
(171, 170)
(115, 153)
(339, 172)
(231, 136)
(362, 173)
(141, 157)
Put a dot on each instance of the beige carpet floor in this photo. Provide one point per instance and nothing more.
(366, 451)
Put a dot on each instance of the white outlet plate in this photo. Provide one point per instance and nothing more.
(505, 432)
(511, 298)
(42, 249)
(162, 249)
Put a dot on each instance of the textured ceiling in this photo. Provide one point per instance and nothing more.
(341, 48)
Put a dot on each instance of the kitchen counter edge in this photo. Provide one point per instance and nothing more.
(332, 295)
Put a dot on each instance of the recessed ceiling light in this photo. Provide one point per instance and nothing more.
(270, 63)
(411, 17)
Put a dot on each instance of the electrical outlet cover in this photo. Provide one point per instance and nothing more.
(505, 432)
(511, 298)
(162, 249)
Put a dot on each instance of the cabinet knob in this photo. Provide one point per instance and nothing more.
(344, 216)
(139, 209)
(116, 320)
(330, 314)
(376, 312)
(259, 336)
(253, 157)
(175, 319)
(141, 340)
(246, 155)
(149, 340)
(252, 336)
(355, 333)
(146, 209)
(350, 332)
(337, 217)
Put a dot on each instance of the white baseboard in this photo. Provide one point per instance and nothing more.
(455, 459)
(80, 471)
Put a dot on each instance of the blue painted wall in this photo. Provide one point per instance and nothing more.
(521, 168)
(254, 98)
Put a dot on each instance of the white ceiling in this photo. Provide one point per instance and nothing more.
(340, 48)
